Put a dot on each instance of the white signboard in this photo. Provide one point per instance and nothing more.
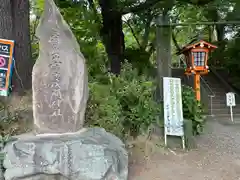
(173, 114)
(230, 97)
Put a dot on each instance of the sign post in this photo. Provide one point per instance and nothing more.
(173, 114)
(230, 98)
(6, 65)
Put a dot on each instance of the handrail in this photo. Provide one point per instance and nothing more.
(212, 94)
(209, 88)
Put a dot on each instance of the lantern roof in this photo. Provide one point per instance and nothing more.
(196, 43)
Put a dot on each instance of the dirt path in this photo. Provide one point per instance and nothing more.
(217, 157)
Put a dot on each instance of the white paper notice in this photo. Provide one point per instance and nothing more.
(230, 98)
(173, 114)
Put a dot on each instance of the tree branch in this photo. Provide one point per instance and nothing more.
(152, 48)
(196, 2)
(35, 27)
(147, 30)
(94, 8)
(143, 6)
(133, 33)
(175, 42)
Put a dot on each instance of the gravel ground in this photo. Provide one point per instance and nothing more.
(216, 158)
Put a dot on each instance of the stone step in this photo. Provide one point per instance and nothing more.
(219, 98)
(214, 86)
(220, 90)
(222, 106)
(218, 101)
(211, 78)
(225, 116)
(218, 93)
(221, 101)
(225, 111)
(218, 106)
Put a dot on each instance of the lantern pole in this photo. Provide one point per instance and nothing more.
(197, 85)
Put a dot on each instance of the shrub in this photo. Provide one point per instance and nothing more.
(125, 105)
(193, 110)
(7, 118)
(104, 109)
(135, 94)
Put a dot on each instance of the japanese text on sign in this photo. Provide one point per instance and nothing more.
(6, 65)
(173, 115)
(230, 98)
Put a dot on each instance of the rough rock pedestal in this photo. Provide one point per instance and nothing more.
(91, 154)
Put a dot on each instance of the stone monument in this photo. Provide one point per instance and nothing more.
(60, 87)
(61, 149)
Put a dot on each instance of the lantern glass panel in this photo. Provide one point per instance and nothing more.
(199, 58)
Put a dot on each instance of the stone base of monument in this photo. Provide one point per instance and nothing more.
(90, 154)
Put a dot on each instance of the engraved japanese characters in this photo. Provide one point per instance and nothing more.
(60, 86)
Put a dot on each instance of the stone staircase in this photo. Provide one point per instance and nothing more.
(219, 107)
(213, 87)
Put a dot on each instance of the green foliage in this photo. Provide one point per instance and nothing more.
(6, 118)
(140, 59)
(37, 6)
(104, 109)
(135, 94)
(192, 110)
(231, 61)
(125, 105)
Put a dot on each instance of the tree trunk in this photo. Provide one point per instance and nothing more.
(220, 32)
(112, 34)
(163, 52)
(210, 33)
(6, 25)
(6, 20)
(22, 79)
